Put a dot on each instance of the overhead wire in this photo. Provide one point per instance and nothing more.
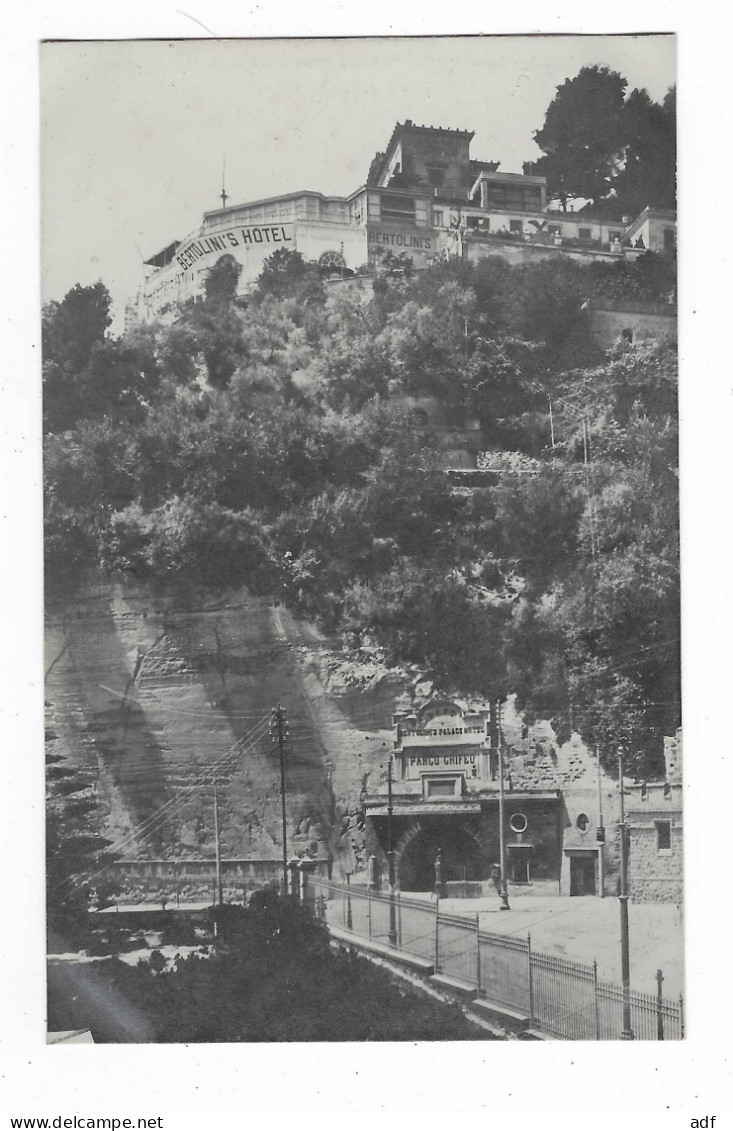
(160, 816)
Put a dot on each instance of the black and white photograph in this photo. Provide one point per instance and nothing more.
(362, 568)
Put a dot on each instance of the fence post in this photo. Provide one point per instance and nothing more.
(682, 1018)
(529, 977)
(437, 942)
(478, 956)
(369, 910)
(660, 1015)
(343, 907)
(399, 922)
(595, 1000)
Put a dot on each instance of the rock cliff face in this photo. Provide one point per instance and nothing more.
(149, 694)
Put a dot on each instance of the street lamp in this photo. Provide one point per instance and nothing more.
(392, 937)
(349, 920)
(504, 905)
(627, 1033)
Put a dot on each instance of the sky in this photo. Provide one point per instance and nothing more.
(134, 133)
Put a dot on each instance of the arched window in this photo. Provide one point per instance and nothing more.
(331, 261)
(582, 822)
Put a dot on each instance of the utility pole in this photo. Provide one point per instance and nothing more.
(224, 194)
(552, 429)
(600, 830)
(279, 733)
(504, 906)
(392, 936)
(627, 1033)
(216, 846)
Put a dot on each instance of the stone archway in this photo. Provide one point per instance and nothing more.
(461, 851)
(412, 831)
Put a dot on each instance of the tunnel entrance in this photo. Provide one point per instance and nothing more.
(461, 857)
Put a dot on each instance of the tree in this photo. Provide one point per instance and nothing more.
(222, 281)
(648, 174)
(582, 136)
(594, 641)
(451, 629)
(286, 274)
(76, 855)
(71, 330)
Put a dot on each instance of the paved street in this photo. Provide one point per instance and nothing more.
(584, 928)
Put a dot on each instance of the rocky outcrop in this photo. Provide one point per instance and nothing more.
(151, 694)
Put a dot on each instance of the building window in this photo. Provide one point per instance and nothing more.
(581, 822)
(516, 226)
(442, 787)
(584, 233)
(554, 229)
(614, 236)
(518, 823)
(664, 835)
(331, 261)
(398, 208)
(437, 218)
(627, 334)
(669, 239)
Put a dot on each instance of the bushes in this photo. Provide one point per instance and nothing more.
(274, 978)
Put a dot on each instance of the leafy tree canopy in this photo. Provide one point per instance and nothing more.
(296, 444)
(618, 152)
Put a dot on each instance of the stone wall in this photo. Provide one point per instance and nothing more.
(607, 326)
(655, 873)
(186, 880)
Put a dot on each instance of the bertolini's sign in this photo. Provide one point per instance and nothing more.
(237, 240)
(397, 241)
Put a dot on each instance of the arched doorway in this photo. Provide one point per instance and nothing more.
(461, 857)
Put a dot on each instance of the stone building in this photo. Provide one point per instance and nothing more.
(560, 814)
(424, 196)
(654, 817)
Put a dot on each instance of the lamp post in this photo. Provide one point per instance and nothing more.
(504, 905)
(349, 919)
(392, 937)
(279, 733)
(627, 1033)
(600, 830)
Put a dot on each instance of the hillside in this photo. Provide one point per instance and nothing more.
(244, 506)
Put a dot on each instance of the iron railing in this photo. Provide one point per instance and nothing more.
(559, 997)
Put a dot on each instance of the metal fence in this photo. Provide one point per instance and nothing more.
(561, 998)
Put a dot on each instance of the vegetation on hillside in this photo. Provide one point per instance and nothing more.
(271, 442)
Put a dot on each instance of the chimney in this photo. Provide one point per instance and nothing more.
(408, 121)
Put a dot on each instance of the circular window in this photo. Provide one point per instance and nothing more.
(518, 822)
(582, 822)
